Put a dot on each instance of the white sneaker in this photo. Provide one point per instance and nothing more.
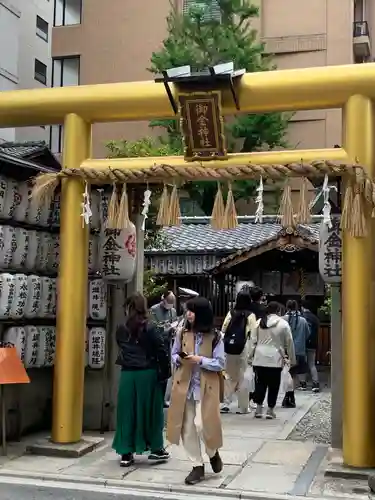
(259, 412)
(270, 415)
(253, 405)
(242, 411)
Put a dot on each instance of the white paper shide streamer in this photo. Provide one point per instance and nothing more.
(324, 192)
(259, 202)
(146, 206)
(86, 213)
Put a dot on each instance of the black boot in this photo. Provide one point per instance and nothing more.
(292, 400)
(285, 402)
(289, 400)
(195, 476)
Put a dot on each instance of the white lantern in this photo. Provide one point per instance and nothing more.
(3, 191)
(97, 342)
(32, 254)
(47, 292)
(20, 253)
(41, 356)
(17, 337)
(52, 299)
(97, 299)
(7, 292)
(9, 246)
(44, 251)
(32, 346)
(11, 199)
(55, 211)
(34, 293)
(54, 256)
(20, 296)
(50, 346)
(118, 254)
(23, 201)
(87, 347)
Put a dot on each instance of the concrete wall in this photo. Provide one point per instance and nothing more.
(20, 45)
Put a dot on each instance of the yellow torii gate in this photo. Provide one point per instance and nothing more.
(349, 87)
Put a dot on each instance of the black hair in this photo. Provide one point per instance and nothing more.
(243, 300)
(204, 315)
(137, 314)
(292, 314)
(256, 293)
(166, 293)
(306, 304)
(271, 308)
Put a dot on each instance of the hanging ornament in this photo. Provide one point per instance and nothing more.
(146, 206)
(174, 216)
(123, 219)
(230, 214)
(163, 213)
(217, 216)
(113, 209)
(86, 213)
(286, 207)
(325, 193)
(304, 214)
(259, 202)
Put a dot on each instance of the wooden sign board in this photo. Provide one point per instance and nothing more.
(202, 126)
(330, 251)
(12, 370)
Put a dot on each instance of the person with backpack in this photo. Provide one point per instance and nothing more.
(194, 412)
(271, 347)
(312, 345)
(236, 329)
(301, 333)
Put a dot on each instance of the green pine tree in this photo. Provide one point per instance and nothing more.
(206, 33)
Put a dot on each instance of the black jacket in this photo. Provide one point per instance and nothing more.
(313, 322)
(146, 352)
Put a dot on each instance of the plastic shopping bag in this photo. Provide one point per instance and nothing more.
(248, 382)
(286, 380)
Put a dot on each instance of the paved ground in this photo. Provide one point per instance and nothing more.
(257, 455)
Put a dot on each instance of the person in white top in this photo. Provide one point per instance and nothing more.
(271, 346)
(236, 329)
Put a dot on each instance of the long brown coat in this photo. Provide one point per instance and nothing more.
(210, 396)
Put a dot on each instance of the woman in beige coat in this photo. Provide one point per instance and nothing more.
(236, 329)
(194, 413)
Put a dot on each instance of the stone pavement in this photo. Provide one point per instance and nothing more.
(259, 460)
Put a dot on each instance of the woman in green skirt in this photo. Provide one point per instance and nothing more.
(145, 366)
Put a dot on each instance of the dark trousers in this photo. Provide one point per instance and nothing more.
(267, 379)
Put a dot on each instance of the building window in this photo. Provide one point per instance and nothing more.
(65, 73)
(40, 72)
(67, 12)
(42, 28)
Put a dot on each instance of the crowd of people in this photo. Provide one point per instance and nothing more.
(185, 363)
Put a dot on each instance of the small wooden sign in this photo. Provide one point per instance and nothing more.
(12, 370)
(202, 126)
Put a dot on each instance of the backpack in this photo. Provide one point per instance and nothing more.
(235, 337)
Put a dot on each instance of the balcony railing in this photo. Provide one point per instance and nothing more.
(360, 28)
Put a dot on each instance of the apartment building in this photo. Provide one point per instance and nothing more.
(112, 41)
(25, 54)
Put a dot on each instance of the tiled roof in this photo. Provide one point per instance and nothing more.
(22, 149)
(195, 235)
